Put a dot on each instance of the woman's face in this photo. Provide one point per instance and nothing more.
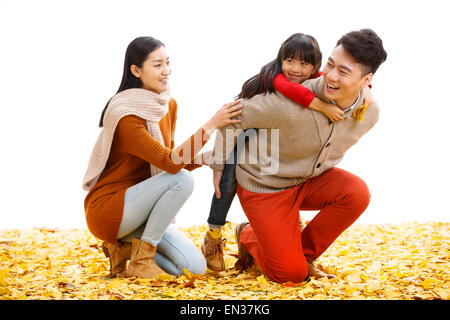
(296, 70)
(155, 71)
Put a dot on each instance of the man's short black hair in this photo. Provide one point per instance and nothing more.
(366, 47)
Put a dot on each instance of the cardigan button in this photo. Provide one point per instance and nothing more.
(318, 165)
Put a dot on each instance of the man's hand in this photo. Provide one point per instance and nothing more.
(368, 97)
(217, 175)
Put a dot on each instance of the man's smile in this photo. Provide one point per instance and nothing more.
(332, 87)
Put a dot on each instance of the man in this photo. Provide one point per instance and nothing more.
(308, 148)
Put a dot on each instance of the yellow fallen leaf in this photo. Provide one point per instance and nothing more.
(4, 275)
(307, 290)
(354, 277)
(443, 293)
(426, 284)
(211, 282)
(387, 258)
(165, 277)
(343, 253)
(115, 284)
(390, 294)
(54, 293)
(187, 273)
(170, 293)
(349, 290)
(262, 279)
(3, 291)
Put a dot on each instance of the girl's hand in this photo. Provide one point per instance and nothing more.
(368, 97)
(217, 175)
(332, 111)
(224, 117)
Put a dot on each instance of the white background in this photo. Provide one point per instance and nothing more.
(60, 61)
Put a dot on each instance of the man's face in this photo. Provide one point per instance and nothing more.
(343, 77)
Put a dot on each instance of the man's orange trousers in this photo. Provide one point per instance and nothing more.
(273, 237)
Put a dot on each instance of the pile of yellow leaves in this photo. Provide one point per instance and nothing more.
(405, 261)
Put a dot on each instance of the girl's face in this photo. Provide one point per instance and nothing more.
(296, 70)
(155, 71)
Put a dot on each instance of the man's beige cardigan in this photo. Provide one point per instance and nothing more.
(308, 143)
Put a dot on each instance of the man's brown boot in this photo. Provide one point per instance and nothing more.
(315, 272)
(245, 260)
(212, 249)
(142, 263)
(118, 255)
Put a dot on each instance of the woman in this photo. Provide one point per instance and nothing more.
(137, 179)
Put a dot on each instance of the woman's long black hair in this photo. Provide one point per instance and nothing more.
(297, 46)
(137, 52)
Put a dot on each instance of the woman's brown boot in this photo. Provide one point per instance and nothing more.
(118, 255)
(142, 263)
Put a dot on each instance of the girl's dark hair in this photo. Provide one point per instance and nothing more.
(137, 52)
(298, 46)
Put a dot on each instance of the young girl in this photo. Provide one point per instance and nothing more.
(299, 58)
(136, 183)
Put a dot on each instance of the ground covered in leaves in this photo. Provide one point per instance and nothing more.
(405, 261)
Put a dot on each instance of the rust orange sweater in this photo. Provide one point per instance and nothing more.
(133, 148)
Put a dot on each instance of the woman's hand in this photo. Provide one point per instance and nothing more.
(217, 175)
(332, 111)
(224, 117)
(206, 158)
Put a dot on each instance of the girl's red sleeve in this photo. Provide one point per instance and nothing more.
(294, 91)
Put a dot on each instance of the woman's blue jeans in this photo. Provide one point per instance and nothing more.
(149, 208)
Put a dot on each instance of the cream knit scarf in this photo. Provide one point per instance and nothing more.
(139, 102)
